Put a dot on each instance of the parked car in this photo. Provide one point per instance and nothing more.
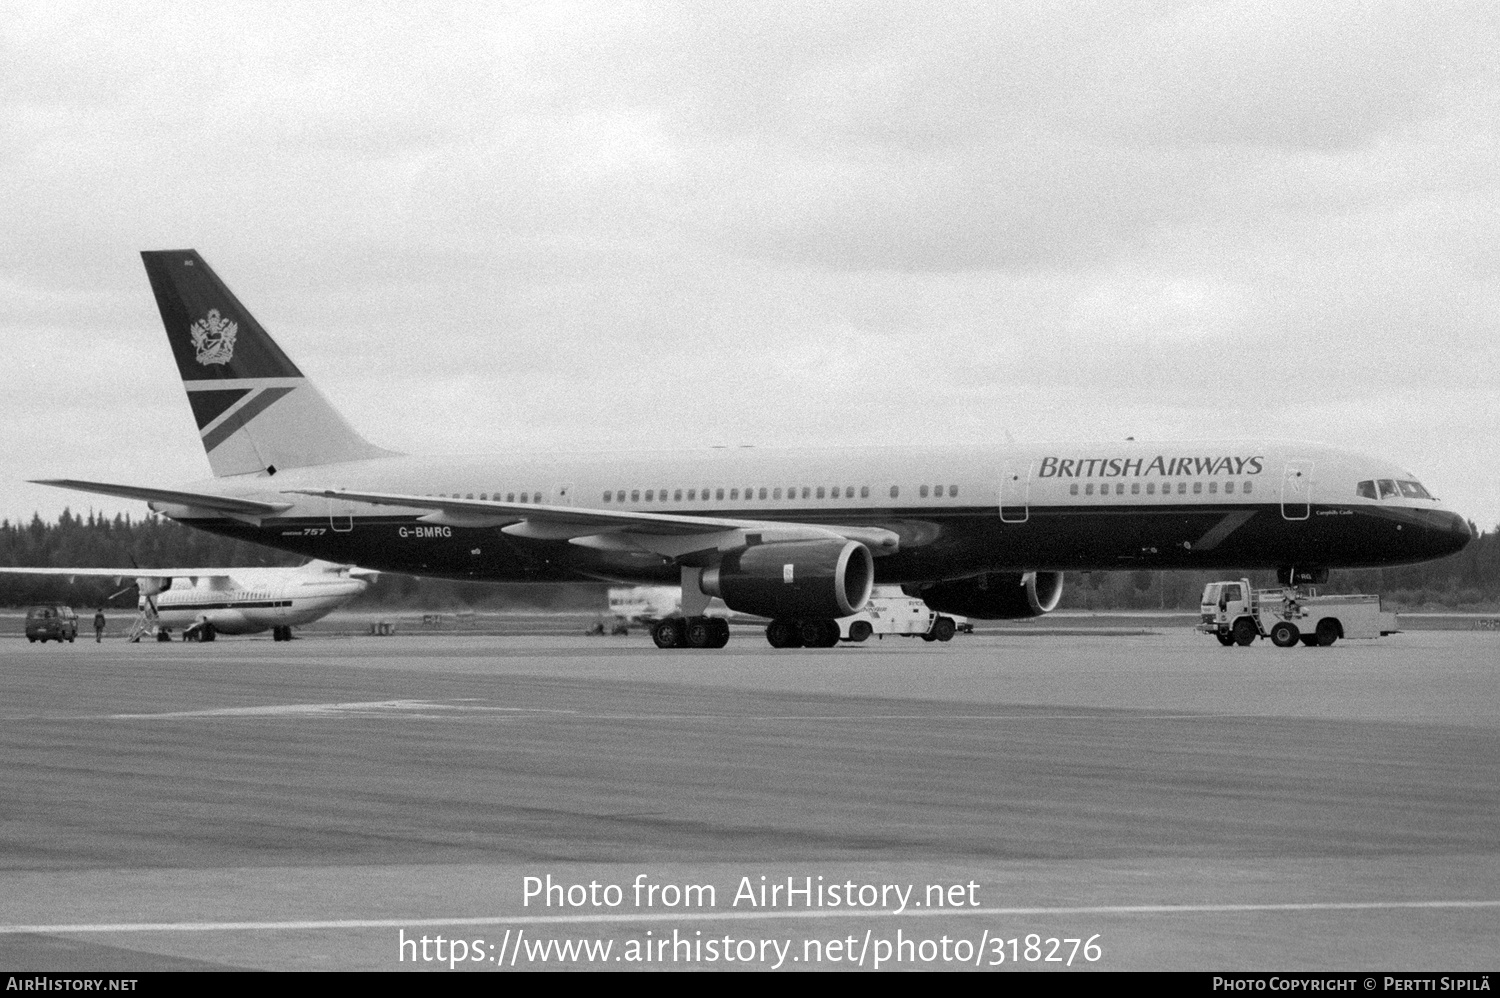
(51, 622)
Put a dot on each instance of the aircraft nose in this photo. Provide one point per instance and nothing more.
(1454, 532)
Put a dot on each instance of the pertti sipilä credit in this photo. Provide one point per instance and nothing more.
(1139, 467)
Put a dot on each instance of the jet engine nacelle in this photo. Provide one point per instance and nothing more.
(997, 595)
(797, 579)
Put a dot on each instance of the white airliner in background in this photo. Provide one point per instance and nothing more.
(800, 536)
(230, 600)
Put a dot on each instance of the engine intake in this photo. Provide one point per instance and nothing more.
(800, 579)
(997, 595)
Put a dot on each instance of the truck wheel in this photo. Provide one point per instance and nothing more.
(1284, 634)
(1244, 632)
(943, 628)
(1225, 639)
(1327, 632)
(1309, 640)
(860, 630)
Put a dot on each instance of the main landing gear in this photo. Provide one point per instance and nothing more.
(786, 633)
(691, 632)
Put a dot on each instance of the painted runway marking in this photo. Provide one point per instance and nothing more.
(327, 710)
(458, 708)
(739, 916)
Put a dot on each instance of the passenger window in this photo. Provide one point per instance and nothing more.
(734, 493)
(952, 491)
(1150, 488)
(1366, 489)
(1246, 489)
(677, 495)
(848, 492)
(1135, 488)
(1387, 488)
(776, 494)
(922, 492)
(864, 492)
(1119, 488)
(1228, 488)
(635, 495)
(650, 494)
(469, 496)
(718, 493)
(834, 492)
(1073, 489)
(1197, 488)
(692, 494)
(1088, 489)
(510, 497)
(1182, 488)
(606, 495)
(820, 491)
(536, 497)
(895, 491)
(1213, 488)
(762, 493)
(806, 492)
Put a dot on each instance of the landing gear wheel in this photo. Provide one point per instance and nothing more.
(943, 629)
(720, 628)
(860, 630)
(163, 634)
(667, 633)
(1284, 634)
(1225, 639)
(1327, 633)
(1244, 632)
(820, 633)
(782, 633)
(699, 633)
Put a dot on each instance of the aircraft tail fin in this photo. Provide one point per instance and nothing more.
(255, 411)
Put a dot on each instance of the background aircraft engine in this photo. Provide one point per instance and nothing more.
(797, 579)
(997, 596)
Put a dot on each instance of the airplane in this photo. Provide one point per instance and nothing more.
(799, 536)
(228, 600)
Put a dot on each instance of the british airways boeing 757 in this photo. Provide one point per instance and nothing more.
(799, 536)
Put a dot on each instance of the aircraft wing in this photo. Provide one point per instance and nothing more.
(120, 574)
(670, 534)
(203, 500)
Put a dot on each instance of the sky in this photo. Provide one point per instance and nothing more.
(574, 226)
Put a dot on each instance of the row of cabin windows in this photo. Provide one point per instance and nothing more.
(807, 492)
(1166, 488)
(497, 497)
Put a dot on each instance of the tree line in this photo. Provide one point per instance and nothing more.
(1469, 580)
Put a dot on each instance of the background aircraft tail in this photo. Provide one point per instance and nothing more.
(255, 410)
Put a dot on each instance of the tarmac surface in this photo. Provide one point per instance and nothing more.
(1168, 803)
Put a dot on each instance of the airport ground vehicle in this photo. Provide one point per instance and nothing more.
(51, 622)
(890, 611)
(1237, 614)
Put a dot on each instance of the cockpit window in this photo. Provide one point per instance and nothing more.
(1365, 490)
(1413, 490)
(1387, 488)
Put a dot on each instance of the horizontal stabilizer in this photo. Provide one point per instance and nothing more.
(202, 500)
